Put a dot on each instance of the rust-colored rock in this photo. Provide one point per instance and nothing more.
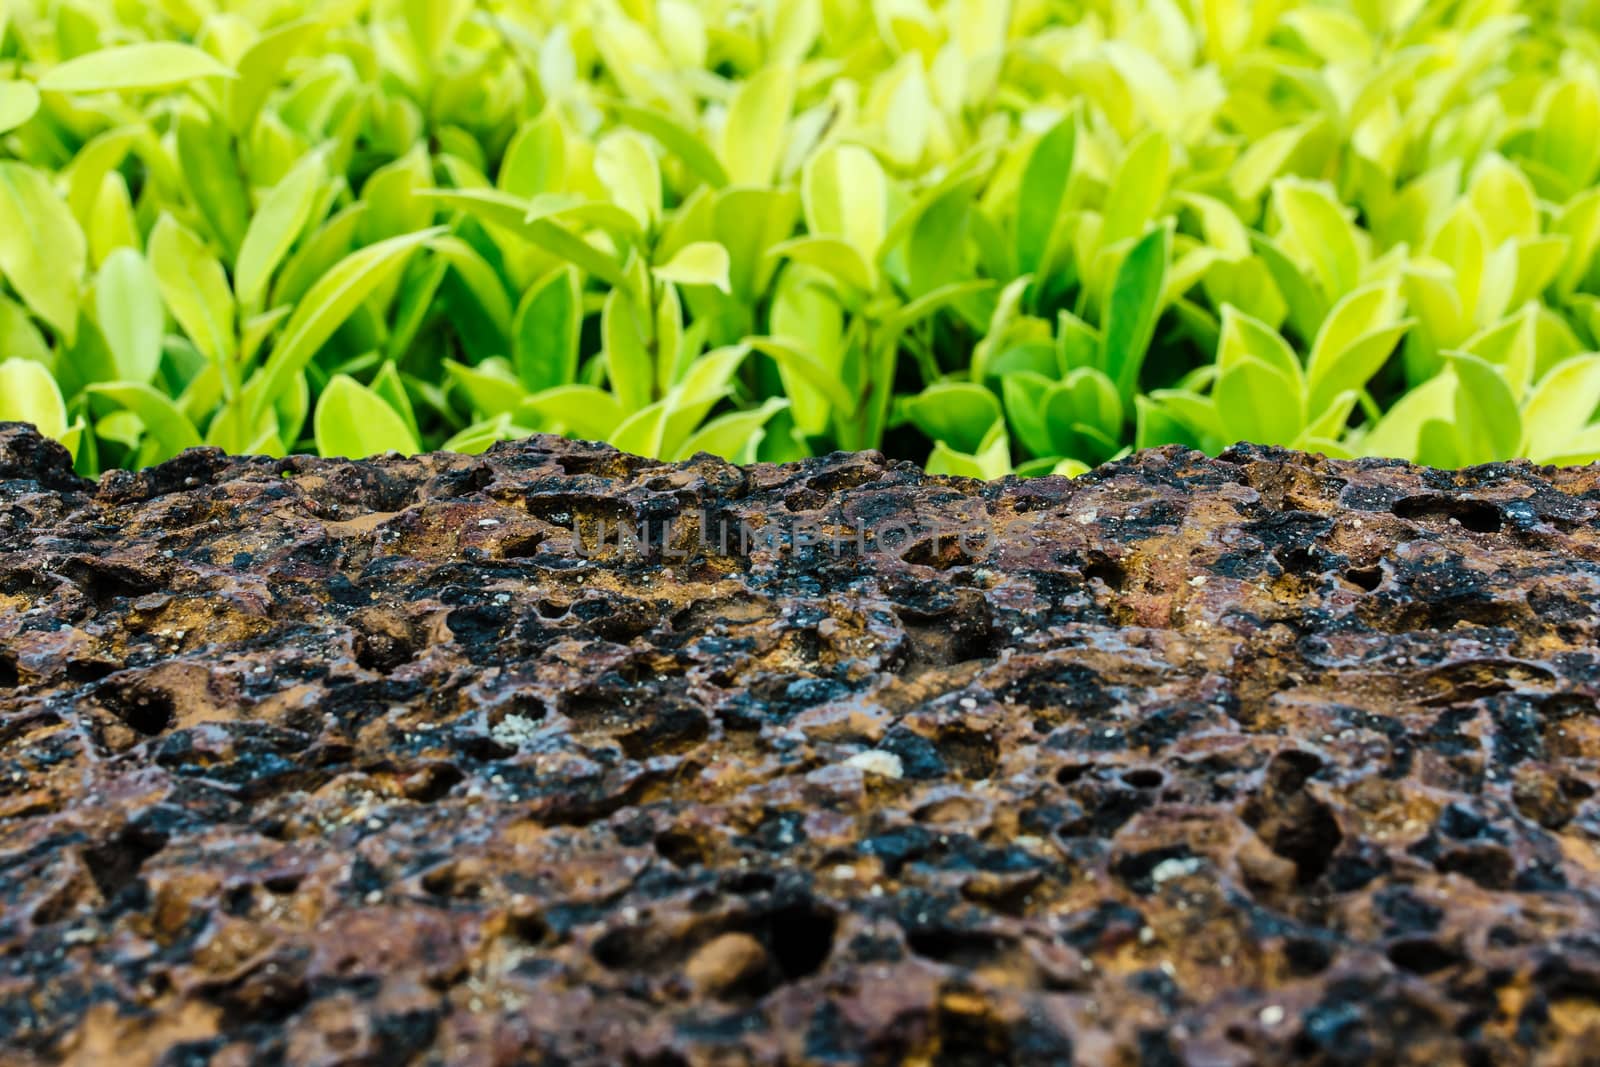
(1249, 760)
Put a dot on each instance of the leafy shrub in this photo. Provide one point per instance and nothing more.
(995, 234)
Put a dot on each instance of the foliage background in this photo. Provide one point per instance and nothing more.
(987, 235)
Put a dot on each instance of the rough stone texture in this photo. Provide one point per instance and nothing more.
(1249, 760)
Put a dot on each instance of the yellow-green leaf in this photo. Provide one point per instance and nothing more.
(282, 216)
(195, 289)
(757, 122)
(132, 320)
(325, 307)
(146, 67)
(18, 102)
(700, 263)
(353, 422)
(29, 394)
(42, 250)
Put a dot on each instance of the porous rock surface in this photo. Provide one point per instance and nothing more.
(1249, 760)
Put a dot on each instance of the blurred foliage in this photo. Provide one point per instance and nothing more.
(991, 235)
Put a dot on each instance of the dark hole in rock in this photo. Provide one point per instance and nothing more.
(940, 553)
(1072, 772)
(681, 849)
(958, 948)
(667, 731)
(1307, 956)
(1137, 869)
(1293, 823)
(115, 863)
(1367, 578)
(1491, 866)
(284, 884)
(382, 652)
(949, 633)
(550, 609)
(523, 546)
(145, 708)
(9, 677)
(974, 1039)
(970, 754)
(86, 671)
(1104, 569)
(1474, 515)
(453, 880)
(529, 927)
(800, 937)
(103, 581)
(1144, 778)
(1306, 834)
(1422, 955)
(1291, 769)
(432, 783)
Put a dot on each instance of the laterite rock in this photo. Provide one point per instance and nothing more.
(561, 755)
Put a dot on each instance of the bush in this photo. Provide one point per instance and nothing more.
(988, 235)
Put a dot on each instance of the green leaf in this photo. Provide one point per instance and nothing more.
(992, 460)
(42, 250)
(389, 385)
(283, 215)
(629, 364)
(836, 258)
(583, 410)
(734, 436)
(1561, 407)
(1025, 393)
(806, 367)
(332, 300)
(1133, 308)
(483, 284)
(433, 24)
(20, 337)
(511, 213)
(535, 162)
(748, 223)
(147, 67)
(1487, 425)
(936, 250)
(29, 394)
(641, 433)
(1042, 199)
(1196, 413)
(958, 413)
(1321, 232)
(1083, 415)
(1258, 402)
(700, 263)
(195, 289)
(844, 195)
(1354, 343)
(129, 312)
(162, 419)
(1138, 188)
(675, 139)
(758, 119)
(262, 63)
(627, 167)
(353, 422)
(18, 103)
(546, 329)
(1399, 432)
(209, 162)
(1306, 305)
(491, 386)
(480, 436)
